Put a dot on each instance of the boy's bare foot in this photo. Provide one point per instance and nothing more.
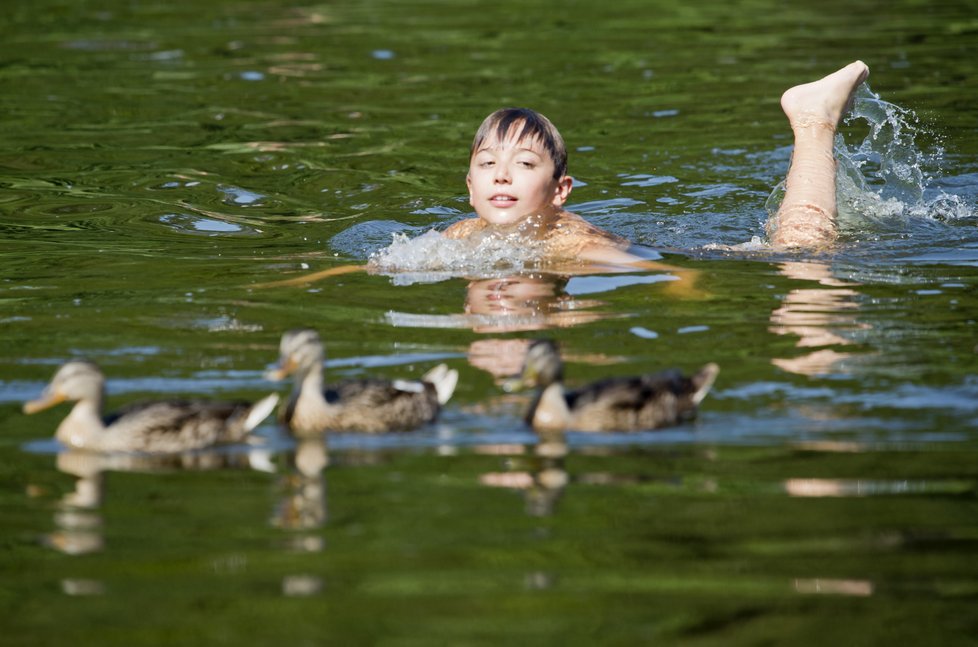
(823, 102)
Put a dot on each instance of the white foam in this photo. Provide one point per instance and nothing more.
(433, 257)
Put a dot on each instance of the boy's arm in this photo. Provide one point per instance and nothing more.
(684, 286)
(315, 276)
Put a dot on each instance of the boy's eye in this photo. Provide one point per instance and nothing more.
(486, 163)
(526, 163)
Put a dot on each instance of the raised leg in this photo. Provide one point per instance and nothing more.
(808, 212)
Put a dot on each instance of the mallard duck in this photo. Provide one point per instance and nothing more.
(613, 404)
(161, 426)
(371, 405)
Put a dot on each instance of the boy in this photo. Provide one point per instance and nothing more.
(518, 180)
(518, 184)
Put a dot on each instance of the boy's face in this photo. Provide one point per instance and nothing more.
(509, 181)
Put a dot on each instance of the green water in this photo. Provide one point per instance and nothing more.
(158, 160)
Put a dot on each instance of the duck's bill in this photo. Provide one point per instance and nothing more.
(46, 401)
(281, 371)
(514, 384)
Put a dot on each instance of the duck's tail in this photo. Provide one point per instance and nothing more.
(444, 380)
(259, 411)
(703, 382)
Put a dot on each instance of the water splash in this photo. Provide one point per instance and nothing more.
(433, 257)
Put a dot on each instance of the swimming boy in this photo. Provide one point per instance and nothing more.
(518, 183)
(518, 180)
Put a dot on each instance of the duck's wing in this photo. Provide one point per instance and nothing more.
(625, 392)
(378, 392)
(642, 402)
(383, 405)
(175, 425)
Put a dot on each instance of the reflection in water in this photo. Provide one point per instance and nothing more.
(78, 519)
(302, 509)
(79, 525)
(821, 487)
(526, 302)
(515, 303)
(817, 316)
(501, 358)
(820, 586)
(302, 505)
(543, 481)
(518, 302)
(549, 476)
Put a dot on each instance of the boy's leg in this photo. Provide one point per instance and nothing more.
(807, 214)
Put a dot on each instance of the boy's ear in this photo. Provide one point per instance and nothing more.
(468, 185)
(562, 190)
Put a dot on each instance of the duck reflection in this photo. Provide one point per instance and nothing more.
(819, 316)
(541, 475)
(78, 519)
(550, 477)
(301, 510)
(302, 500)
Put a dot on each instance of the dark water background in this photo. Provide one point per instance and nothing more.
(158, 160)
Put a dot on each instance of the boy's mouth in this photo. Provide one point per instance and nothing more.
(502, 200)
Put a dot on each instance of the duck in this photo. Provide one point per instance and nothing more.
(163, 426)
(373, 406)
(650, 401)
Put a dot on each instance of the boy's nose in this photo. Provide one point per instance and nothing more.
(502, 174)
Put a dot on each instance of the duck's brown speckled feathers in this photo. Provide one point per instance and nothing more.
(647, 401)
(159, 426)
(370, 406)
(643, 402)
(178, 425)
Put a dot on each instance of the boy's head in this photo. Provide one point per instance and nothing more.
(520, 124)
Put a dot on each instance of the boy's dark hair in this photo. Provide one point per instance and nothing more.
(534, 125)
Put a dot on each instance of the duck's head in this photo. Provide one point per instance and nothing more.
(299, 352)
(77, 380)
(541, 367)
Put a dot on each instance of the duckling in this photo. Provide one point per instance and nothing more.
(612, 404)
(161, 426)
(371, 405)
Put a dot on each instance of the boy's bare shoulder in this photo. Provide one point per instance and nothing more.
(464, 228)
(574, 226)
(572, 238)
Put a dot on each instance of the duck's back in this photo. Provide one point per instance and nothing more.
(370, 406)
(376, 406)
(629, 403)
(174, 425)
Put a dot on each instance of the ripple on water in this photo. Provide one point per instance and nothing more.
(198, 225)
(366, 238)
(238, 196)
(45, 210)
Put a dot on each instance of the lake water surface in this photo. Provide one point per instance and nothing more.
(162, 163)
